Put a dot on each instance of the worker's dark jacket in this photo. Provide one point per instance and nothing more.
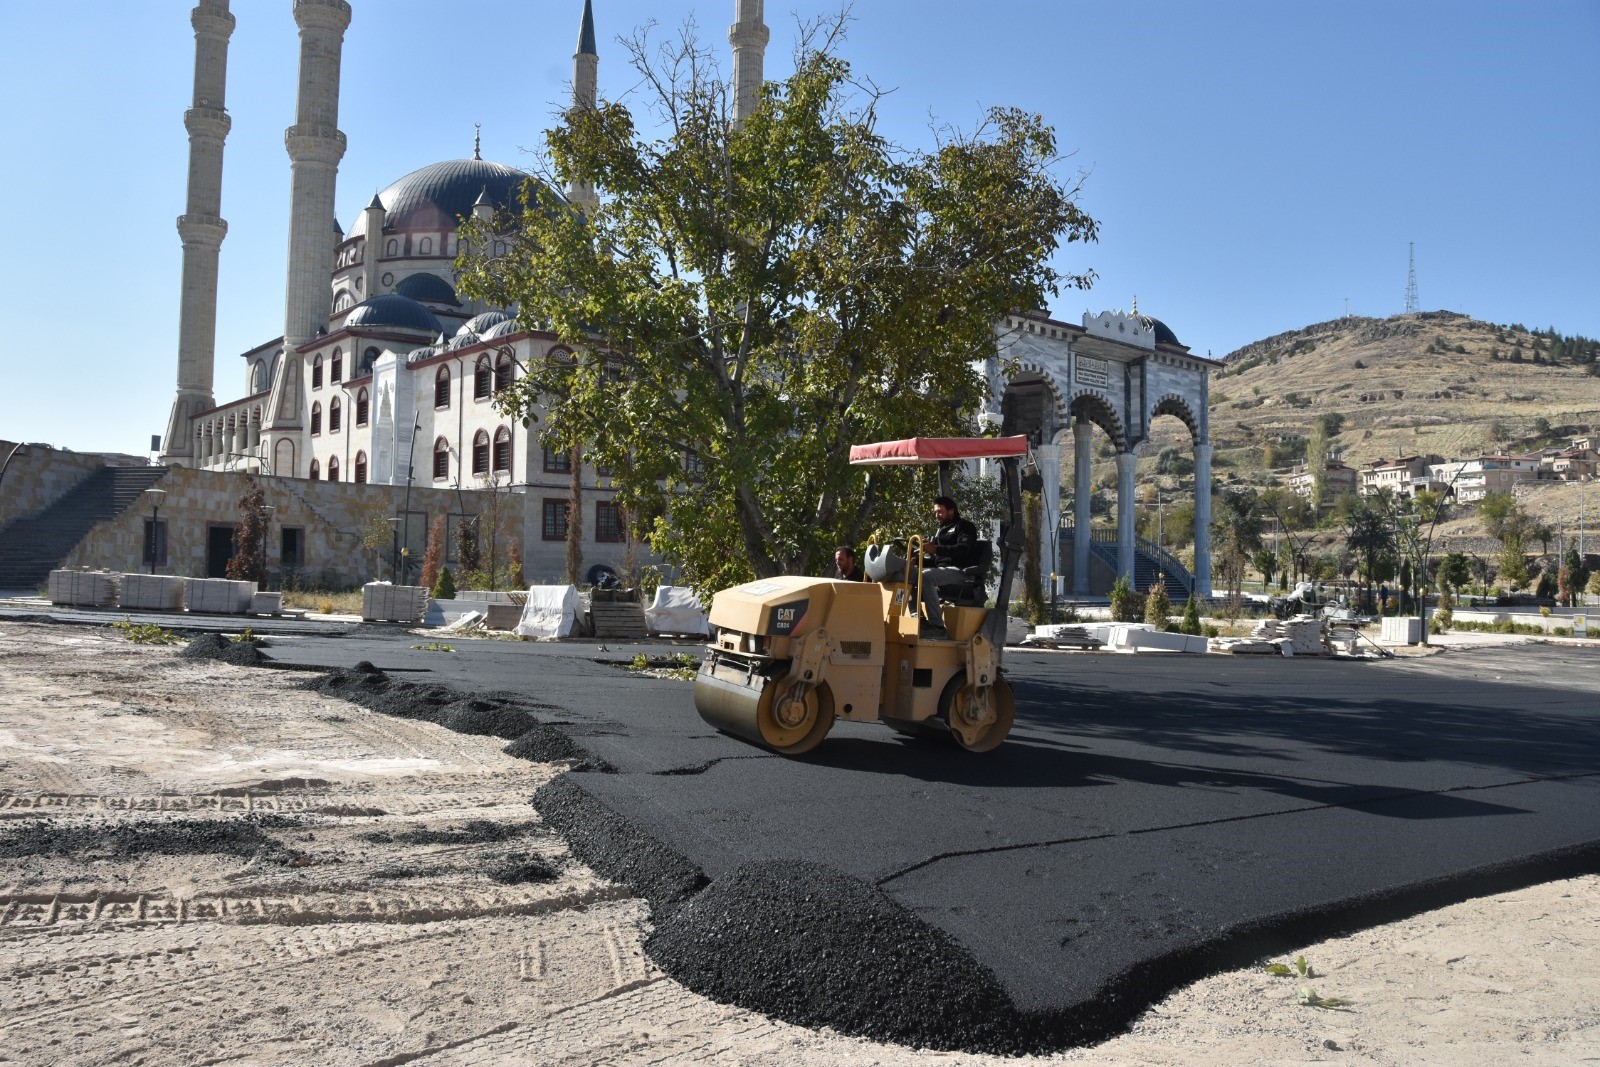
(955, 544)
(858, 575)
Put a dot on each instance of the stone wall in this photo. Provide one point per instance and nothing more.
(38, 477)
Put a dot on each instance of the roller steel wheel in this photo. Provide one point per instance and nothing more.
(794, 718)
(978, 721)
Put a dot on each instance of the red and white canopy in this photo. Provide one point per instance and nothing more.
(937, 449)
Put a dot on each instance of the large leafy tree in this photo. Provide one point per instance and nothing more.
(748, 300)
(1235, 539)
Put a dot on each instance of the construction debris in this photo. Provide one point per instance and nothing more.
(1302, 635)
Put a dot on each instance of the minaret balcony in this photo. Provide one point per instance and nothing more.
(206, 230)
(310, 142)
(207, 122)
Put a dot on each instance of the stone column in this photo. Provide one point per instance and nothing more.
(315, 146)
(1202, 518)
(1049, 460)
(1082, 498)
(1125, 465)
(201, 227)
(749, 36)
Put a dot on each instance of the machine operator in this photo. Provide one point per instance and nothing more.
(845, 567)
(954, 545)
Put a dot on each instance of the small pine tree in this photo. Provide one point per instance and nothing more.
(1126, 605)
(1190, 623)
(468, 548)
(433, 557)
(1157, 607)
(445, 587)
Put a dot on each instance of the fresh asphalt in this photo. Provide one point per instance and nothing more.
(1150, 819)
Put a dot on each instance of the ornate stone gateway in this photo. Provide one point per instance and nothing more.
(1116, 372)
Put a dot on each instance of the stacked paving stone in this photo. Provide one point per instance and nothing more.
(151, 592)
(382, 602)
(1061, 636)
(94, 589)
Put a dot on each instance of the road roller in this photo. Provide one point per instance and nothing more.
(793, 654)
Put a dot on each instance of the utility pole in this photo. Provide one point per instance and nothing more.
(1412, 304)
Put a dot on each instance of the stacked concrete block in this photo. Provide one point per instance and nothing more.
(1402, 630)
(1060, 635)
(382, 602)
(519, 597)
(218, 596)
(151, 592)
(95, 589)
(266, 604)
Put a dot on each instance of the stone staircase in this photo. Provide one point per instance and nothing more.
(1150, 563)
(32, 547)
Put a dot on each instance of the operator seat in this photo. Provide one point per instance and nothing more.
(973, 592)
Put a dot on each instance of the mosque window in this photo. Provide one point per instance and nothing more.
(441, 458)
(441, 388)
(502, 372)
(333, 468)
(316, 470)
(316, 418)
(387, 279)
(502, 450)
(607, 522)
(480, 452)
(316, 371)
(557, 460)
(393, 249)
(336, 367)
(482, 380)
(692, 465)
(499, 248)
(555, 520)
(361, 408)
(368, 358)
(344, 301)
(361, 468)
(426, 249)
(335, 409)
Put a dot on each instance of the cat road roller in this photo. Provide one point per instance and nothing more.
(792, 654)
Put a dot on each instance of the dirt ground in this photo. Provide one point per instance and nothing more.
(200, 864)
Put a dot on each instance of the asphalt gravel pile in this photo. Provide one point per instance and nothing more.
(218, 647)
(475, 832)
(814, 946)
(520, 868)
(616, 849)
(245, 838)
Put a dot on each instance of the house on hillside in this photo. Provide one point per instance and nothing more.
(1574, 464)
(1474, 479)
(1398, 475)
(1338, 479)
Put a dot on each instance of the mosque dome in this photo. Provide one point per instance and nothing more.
(439, 195)
(428, 287)
(479, 324)
(504, 329)
(394, 312)
(1163, 332)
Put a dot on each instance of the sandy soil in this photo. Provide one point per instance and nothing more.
(200, 864)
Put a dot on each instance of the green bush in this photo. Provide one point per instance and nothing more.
(1126, 605)
(1190, 623)
(1157, 607)
(445, 587)
(1212, 631)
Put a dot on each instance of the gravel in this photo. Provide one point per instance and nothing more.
(475, 832)
(814, 946)
(218, 647)
(520, 868)
(245, 838)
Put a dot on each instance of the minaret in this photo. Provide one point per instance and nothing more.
(315, 147)
(585, 95)
(201, 227)
(749, 36)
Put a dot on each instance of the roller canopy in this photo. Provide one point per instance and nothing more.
(937, 449)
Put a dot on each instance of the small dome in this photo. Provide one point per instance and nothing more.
(1163, 332)
(429, 287)
(395, 312)
(419, 354)
(479, 324)
(503, 329)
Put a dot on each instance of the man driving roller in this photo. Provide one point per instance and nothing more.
(954, 545)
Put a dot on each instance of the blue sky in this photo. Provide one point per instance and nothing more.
(1253, 165)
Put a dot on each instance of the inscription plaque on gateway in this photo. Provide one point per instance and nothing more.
(1094, 372)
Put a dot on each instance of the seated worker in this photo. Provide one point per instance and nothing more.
(954, 545)
(845, 567)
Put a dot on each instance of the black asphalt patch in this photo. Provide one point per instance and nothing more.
(218, 647)
(519, 868)
(245, 838)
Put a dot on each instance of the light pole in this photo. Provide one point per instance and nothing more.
(394, 552)
(156, 496)
(266, 523)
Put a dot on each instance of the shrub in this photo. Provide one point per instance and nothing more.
(1545, 612)
(1157, 607)
(445, 587)
(1190, 623)
(1212, 631)
(433, 556)
(1126, 605)
(1443, 618)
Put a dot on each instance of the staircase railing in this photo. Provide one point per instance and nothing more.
(1102, 542)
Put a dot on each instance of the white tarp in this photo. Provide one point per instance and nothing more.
(676, 610)
(551, 611)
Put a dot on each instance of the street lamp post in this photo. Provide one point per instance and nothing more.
(266, 523)
(394, 552)
(156, 496)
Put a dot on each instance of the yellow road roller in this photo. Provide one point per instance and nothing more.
(792, 654)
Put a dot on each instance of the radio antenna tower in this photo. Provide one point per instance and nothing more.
(1411, 281)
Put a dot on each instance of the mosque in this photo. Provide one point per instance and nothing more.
(385, 375)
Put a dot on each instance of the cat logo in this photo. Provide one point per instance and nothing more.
(786, 617)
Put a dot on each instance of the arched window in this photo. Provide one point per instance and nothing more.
(502, 450)
(482, 379)
(441, 388)
(316, 470)
(344, 300)
(316, 418)
(316, 371)
(499, 248)
(258, 376)
(361, 407)
(368, 358)
(502, 372)
(393, 248)
(480, 452)
(334, 408)
(336, 372)
(427, 247)
(361, 468)
(441, 458)
(333, 468)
